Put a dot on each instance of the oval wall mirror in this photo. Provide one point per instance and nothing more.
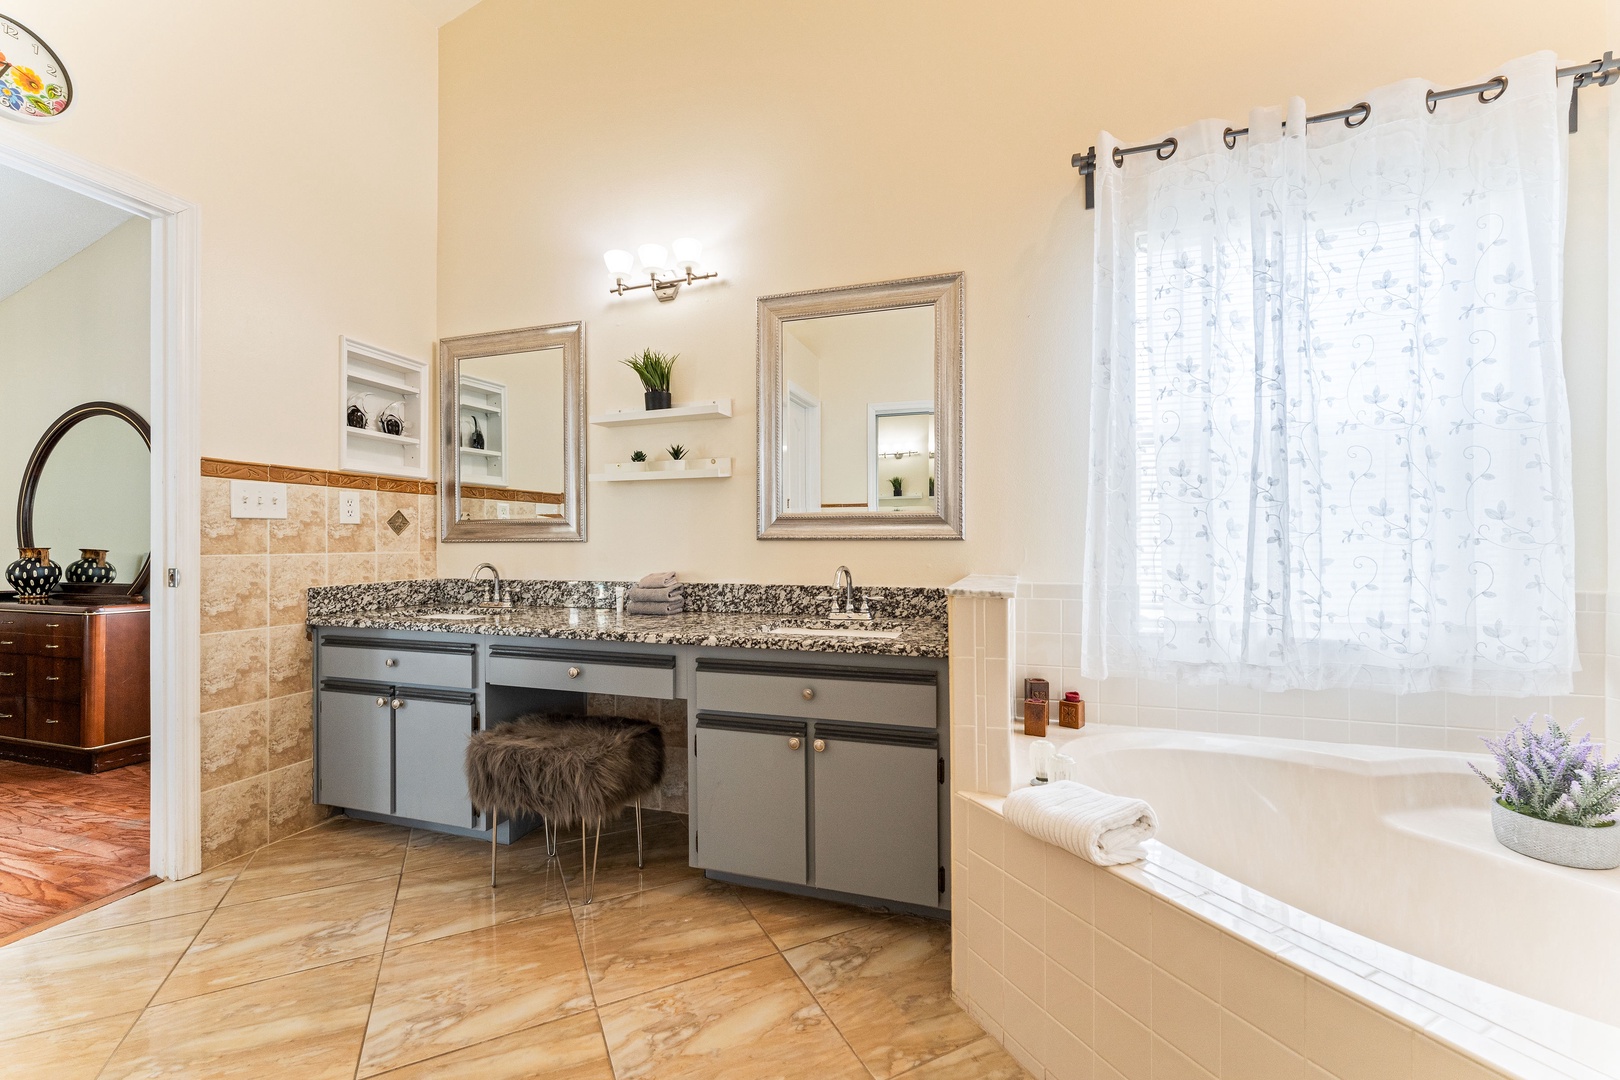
(87, 486)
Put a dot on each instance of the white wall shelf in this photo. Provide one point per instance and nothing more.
(375, 378)
(691, 410)
(483, 401)
(696, 469)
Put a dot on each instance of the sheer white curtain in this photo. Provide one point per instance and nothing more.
(1329, 430)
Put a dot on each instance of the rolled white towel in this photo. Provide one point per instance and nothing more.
(1101, 828)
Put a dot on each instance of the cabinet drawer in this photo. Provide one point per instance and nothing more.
(65, 637)
(54, 680)
(819, 692)
(11, 718)
(13, 674)
(53, 721)
(589, 672)
(409, 663)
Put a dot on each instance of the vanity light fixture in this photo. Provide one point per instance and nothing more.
(656, 264)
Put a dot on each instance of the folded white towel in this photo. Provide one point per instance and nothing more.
(1101, 828)
(663, 579)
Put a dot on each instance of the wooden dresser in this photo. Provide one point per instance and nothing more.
(75, 684)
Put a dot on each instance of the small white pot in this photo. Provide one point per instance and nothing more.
(1553, 842)
(619, 467)
(673, 466)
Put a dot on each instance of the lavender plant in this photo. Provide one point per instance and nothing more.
(1549, 775)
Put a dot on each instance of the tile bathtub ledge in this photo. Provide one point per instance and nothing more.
(1002, 586)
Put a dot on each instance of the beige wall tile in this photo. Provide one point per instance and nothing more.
(292, 729)
(1122, 1042)
(1264, 991)
(233, 668)
(234, 744)
(404, 567)
(1071, 882)
(1247, 1053)
(361, 536)
(427, 522)
(234, 820)
(428, 567)
(291, 576)
(1124, 912)
(1069, 1001)
(290, 797)
(1124, 978)
(1431, 1061)
(1069, 941)
(409, 540)
(351, 569)
(291, 660)
(1188, 1020)
(1171, 1064)
(232, 592)
(1188, 948)
(1352, 1041)
(303, 530)
(223, 534)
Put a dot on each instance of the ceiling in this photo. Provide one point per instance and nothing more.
(45, 226)
(442, 11)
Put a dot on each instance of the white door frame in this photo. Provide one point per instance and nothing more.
(873, 411)
(176, 485)
(810, 452)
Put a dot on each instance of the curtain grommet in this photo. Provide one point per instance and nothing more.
(1171, 144)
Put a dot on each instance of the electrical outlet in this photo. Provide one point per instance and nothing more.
(503, 510)
(258, 499)
(348, 507)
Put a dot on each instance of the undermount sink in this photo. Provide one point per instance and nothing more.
(796, 630)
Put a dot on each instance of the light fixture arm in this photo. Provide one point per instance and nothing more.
(663, 288)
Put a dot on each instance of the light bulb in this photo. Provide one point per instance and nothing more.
(688, 252)
(619, 263)
(653, 256)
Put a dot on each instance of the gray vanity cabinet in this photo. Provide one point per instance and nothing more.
(354, 748)
(430, 744)
(748, 797)
(876, 824)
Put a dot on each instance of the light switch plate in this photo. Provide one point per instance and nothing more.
(348, 507)
(258, 499)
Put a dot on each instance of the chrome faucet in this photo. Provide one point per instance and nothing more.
(845, 581)
(495, 599)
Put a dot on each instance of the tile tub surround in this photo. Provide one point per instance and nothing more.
(356, 949)
(257, 710)
(1165, 968)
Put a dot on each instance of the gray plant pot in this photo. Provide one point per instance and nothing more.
(1549, 841)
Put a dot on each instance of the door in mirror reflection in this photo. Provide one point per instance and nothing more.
(858, 411)
(94, 491)
(510, 435)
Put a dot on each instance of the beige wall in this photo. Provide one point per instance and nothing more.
(305, 130)
(80, 332)
(837, 142)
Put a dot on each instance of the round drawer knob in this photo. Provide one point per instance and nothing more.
(382, 703)
(397, 703)
(573, 673)
(808, 693)
(794, 743)
(819, 745)
(390, 662)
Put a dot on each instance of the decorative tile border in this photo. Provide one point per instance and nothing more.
(282, 474)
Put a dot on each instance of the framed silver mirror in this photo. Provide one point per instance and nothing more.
(860, 412)
(512, 435)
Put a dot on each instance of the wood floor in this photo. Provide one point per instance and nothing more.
(68, 839)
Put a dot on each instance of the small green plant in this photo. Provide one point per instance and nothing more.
(894, 482)
(639, 455)
(677, 452)
(652, 368)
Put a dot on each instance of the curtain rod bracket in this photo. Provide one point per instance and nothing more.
(1087, 164)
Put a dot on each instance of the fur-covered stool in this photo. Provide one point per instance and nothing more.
(564, 769)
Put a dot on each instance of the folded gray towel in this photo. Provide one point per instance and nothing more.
(643, 607)
(663, 579)
(656, 596)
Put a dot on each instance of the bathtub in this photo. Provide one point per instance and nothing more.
(1372, 869)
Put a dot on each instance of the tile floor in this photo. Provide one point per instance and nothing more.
(359, 950)
(68, 838)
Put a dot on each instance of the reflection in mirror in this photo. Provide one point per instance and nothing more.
(846, 376)
(94, 492)
(511, 430)
(861, 411)
(513, 435)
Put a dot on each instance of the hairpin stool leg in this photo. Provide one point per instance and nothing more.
(640, 862)
(494, 846)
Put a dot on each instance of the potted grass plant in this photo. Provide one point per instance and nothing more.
(677, 458)
(636, 464)
(1556, 798)
(653, 368)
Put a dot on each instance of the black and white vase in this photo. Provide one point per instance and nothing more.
(33, 575)
(476, 439)
(91, 568)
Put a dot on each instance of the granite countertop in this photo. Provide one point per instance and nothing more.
(922, 637)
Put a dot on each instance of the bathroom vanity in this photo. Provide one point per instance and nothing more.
(815, 753)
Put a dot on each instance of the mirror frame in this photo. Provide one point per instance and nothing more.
(36, 468)
(943, 292)
(452, 351)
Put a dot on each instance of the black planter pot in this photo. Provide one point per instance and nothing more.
(657, 399)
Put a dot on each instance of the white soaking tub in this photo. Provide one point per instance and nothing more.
(1392, 845)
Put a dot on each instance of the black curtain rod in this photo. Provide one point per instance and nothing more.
(1603, 72)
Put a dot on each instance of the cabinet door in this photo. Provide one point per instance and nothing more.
(876, 814)
(354, 750)
(430, 745)
(748, 791)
